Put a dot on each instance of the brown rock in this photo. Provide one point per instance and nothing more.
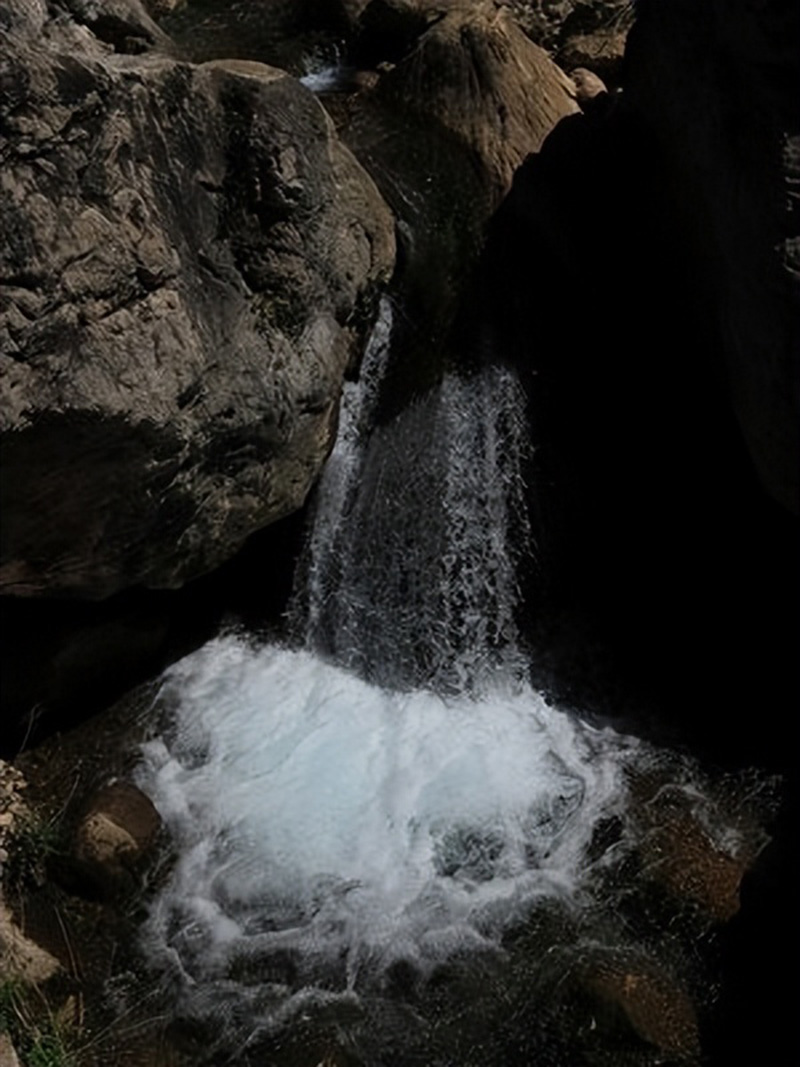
(130, 810)
(20, 957)
(114, 837)
(587, 85)
(188, 260)
(8, 1055)
(101, 841)
(679, 853)
(442, 133)
(636, 992)
(475, 76)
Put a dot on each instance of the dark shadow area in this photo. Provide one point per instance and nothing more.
(64, 660)
(665, 593)
(281, 34)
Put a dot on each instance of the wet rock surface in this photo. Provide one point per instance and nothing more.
(188, 261)
(679, 852)
(630, 993)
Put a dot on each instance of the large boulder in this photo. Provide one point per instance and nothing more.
(472, 77)
(188, 260)
(463, 98)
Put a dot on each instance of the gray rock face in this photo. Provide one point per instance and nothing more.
(188, 259)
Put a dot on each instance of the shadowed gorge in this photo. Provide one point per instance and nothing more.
(398, 532)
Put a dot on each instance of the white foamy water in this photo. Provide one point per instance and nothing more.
(327, 79)
(317, 815)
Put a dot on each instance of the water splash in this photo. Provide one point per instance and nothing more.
(327, 829)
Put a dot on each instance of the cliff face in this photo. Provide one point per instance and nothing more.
(718, 84)
(187, 265)
(643, 275)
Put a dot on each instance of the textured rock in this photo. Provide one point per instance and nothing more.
(8, 1055)
(20, 957)
(587, 84)
(12, 806)
(442, 133)
(114, 837)
(717, 81)
(476, 77)
(601, 52)
(634, 993)
(679, 851)
(123, 24)
(188, 257)
(551, 22)
(127, 807)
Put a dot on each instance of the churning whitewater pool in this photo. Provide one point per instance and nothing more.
(357, 865)
(353, 827)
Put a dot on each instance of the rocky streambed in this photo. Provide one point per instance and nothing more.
(193, 248)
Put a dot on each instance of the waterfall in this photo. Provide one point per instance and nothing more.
(419, 526)
(388, 793)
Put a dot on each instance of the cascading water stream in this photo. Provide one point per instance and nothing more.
(393, 793)
(411, 570)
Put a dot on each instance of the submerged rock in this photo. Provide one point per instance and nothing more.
(187, 265)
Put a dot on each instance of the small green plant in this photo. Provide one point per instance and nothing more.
(11, 990)
(36, 1034)
(49, 1049)
(34, 843)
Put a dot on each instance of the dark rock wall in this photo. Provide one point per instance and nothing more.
(729, 126)
(642, 275)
